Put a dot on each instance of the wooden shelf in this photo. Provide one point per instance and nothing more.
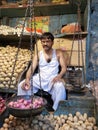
(26, 38)
(42, 9)
(14, 38)
(70, 35)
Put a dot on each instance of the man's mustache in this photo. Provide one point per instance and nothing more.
(45, 46)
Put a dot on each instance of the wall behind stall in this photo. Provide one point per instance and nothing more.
(55, 22)
(54, 25)
(66, 45)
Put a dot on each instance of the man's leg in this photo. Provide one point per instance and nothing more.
(58, 93)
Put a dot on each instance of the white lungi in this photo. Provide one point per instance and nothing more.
(47, 72)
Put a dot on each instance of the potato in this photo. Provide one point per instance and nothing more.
(6, 129)
(26, 127)
(5, 125)
(6, 120)
(85, 115)
(87, 123)
(89, 128)
(2, 128)
(21, 128)
(78, 114)
(81, 117)
(11, 117)
(1, 85)
(62, 120)
(83, 126)
(70, 115)
(75, 119)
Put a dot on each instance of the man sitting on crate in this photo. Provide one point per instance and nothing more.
(50, 79)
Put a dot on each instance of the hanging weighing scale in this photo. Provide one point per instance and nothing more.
(76, 75)
(30, 100)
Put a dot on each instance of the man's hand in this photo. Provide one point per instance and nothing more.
(26, 85)
(57, 79)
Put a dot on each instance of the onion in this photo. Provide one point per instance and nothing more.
(26, 104)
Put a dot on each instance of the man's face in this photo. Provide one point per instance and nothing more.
(46, 44)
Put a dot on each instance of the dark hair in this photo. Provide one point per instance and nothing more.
(47, 35)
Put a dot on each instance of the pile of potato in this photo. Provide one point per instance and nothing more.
(7, 61)
(7, 30)
(51, 122)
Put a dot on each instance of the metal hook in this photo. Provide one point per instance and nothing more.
(78, 3)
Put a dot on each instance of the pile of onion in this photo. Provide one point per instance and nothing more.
(2, 105)
(22, 103)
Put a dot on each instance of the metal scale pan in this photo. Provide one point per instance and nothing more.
(76, 76)
(24, 113)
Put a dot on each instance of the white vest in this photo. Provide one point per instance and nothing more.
(48, 70)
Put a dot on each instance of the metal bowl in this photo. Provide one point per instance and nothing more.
(24, 113)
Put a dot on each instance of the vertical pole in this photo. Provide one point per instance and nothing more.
(88, 39)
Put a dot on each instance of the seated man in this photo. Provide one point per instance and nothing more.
(48, 77)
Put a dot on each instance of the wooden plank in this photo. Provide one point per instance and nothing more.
(43, 9)
(82, 103)
(72, 106)
(66, 111)
(77, 103)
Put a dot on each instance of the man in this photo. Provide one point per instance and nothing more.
(49, 77)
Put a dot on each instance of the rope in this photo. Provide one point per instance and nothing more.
(18, 49)
(33, 25)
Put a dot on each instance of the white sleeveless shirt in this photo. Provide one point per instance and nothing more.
(48, 70)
